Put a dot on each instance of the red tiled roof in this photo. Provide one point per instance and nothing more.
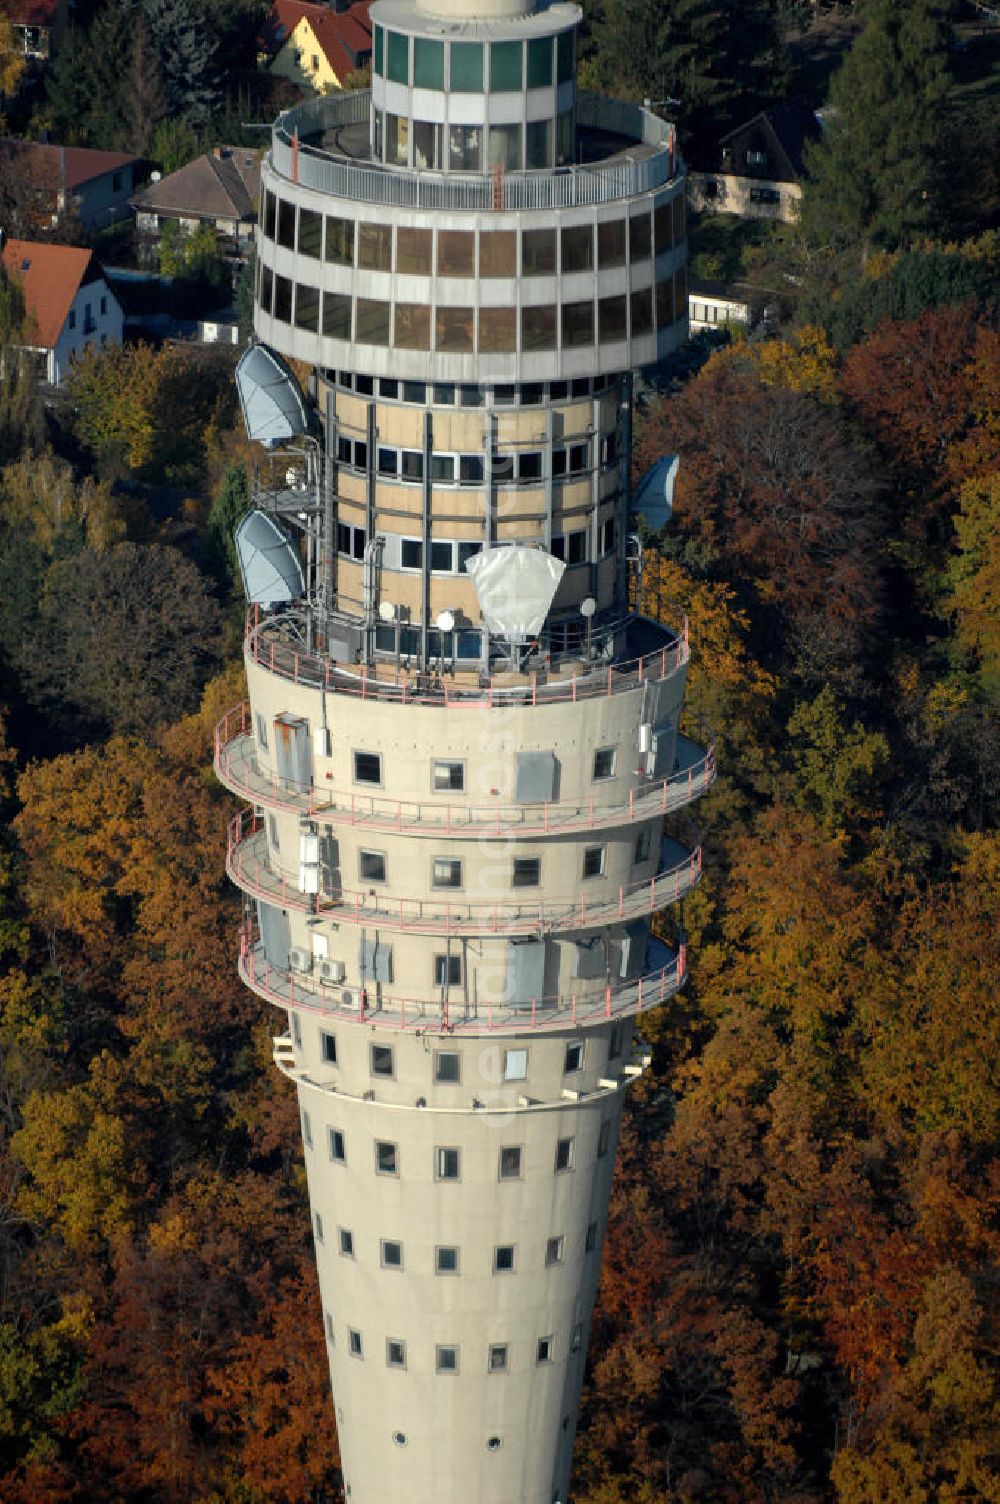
(50, 276)
(343, 36)
(81, 164)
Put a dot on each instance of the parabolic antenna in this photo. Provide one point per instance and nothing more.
(654, 495)
(515, 587)
(269, 561)
(274, 409)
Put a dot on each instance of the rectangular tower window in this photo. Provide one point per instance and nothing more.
(447, 1359)
(447, 1066)
(590, 1242)
(397, 139)
(375, 247)
(544, 1351)
(505, 147)
(413, 326)
(565, 56)
(381, 1060)
(564, 1155)
(467, 67)
(338, 1152)
(329, 1042)
(505, 67)
(283, 299)
(339, 240)
(554, 1250)
(616, 1041)
(538, 144)
(664, 303)
(577, 325)
(386, 1158)
(465, 147)
(367, 767)
(503, 1258)
(497, 331)
(337, 315)
(642, 312)
(538, 253)
(428, 63)
(576, 248)
(446, 872)
(448, 776)
(498, 1357)
(286, 224)
(643, 843)
(354, 1344)
(328, 1322)
(447, 971)
(611, 243)
(310, 233)
(392, 1254)
(662, 228)
(318, 1224)
(426, 151)
(307, 1135)
(527, 872)
(498, 253)
(640, 237)
(515, 1065)
(395, 1353)
(446, 1164)
(446, 1260)
(397, 57)
(456, 253)
(538, 327)
(611, 319)
(574, 1058)
(372, 322)
(306, 308)
(593, 861)
(371, 866)
(604, 1138)
(539, 62)
(453, 330)
(413, 251)
(604, 763)
(346, 1242)
(510, 1162)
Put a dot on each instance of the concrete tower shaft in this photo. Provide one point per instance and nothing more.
(461, 818)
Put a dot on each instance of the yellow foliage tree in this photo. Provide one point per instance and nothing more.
(40, 495)
(974, 573)
(804, 362)
(12, 59)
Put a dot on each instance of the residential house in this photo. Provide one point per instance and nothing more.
(68, 301)
(317, 46)
(38, 25)
(221, 189)
(56, 182)
(759, 169)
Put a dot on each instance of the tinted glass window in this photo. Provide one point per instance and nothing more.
(453, 329)
(413, 251)
(456, 253)
(310, 233)
(539, 62)
(373, 322)
(538, 328)
(413, 326)
(467, 67)
(337, 315)
(577, 324)
(428, 63)
(398, 59)
(497, 330)
(505, 66)
(576, 248)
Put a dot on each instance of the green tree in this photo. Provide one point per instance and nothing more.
(194, 257)
(231, 500)
(186, 49)
(871, 174)
(838, 765)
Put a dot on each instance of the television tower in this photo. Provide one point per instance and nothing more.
(460, 756)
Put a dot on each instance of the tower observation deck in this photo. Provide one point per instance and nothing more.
(464, 775)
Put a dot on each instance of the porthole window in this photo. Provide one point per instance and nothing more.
(399, 1437)
(494, 1443)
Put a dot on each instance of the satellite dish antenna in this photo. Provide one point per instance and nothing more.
(653, 497)
(386, 611)
(588, 607)
(446, 621)
(268, 560)
(515, 587)
(273, 406)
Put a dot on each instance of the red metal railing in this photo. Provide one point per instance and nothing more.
(247, 865)
(286, 990)
(236, 766)
(265, 648)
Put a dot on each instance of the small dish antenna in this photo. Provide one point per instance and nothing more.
(588, 607)
(445, 621)
(386, 611)
(515, 587)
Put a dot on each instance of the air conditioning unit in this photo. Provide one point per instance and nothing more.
(347, 999)
(299, 959)
(331, 971)
(645, 736)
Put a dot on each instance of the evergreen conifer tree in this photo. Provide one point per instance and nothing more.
(186, 50)
(870, 176)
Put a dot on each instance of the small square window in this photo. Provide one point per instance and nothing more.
(329, 1047)
(515, 1065)
(643, 843)
(371, 866)
(604, 1137)
(590, 1242)
(367, 767)
(411, 553)
(448, 776)
(545, 1350)
(446, 1164)
(446, 1260)
(503, 1258)
(382, 1060)
(593, 861)
(447, 973)
(328, 1323)
(395, 1353)
(446, 872)
(510, 1162)
(498, 1357)
(447, 1065)
(318, 1224)
(574, 1058)
(564, 1154)
(354, 1344)
(554, 1250)
(346, 1242)
(604, 763)
(297, 1031)
(307, 1133)
(447, 1359)
(386, 1158)
(338, 1151)
(392, 1254)
(527, 871)
(261, 732)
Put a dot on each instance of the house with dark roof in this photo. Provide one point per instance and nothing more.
(317, 46)
(59, 181)
(759, 169)
(68, 301)
(221, 189)
(38, 26)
